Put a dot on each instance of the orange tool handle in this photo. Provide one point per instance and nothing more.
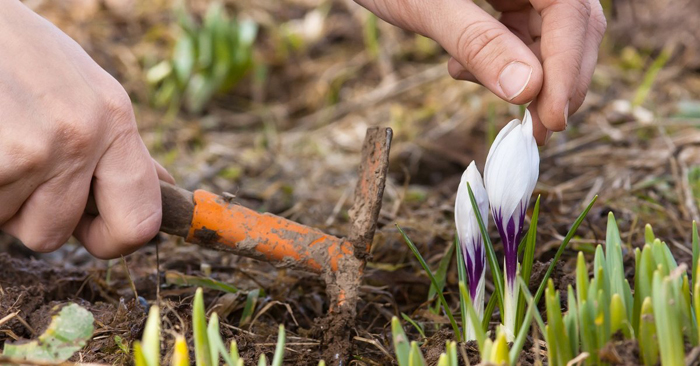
(215, 222)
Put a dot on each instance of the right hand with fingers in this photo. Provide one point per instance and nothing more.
(66, 128)
(538, 51)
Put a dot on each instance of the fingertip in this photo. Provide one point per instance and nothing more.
(163, 173)
(539, 131)
(554, 114)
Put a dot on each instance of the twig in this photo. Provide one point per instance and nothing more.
(158, 271)
(26, 325)
(128, 276)
(693, 356)
(376, 344)
(8, 318)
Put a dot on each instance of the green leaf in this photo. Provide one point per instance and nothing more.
(184, 57)
(279, 348)
(427, 270)
(441, 276)
(648, 344)
(462, 277)
(452, 353)
(181, 356)
(524, 328)
(414, 324)
(67, 333)
(233, 352)
(139, 360)
(571, 321)
(499, 350)
(217, 348)
(649, 236)
(401, 344)
(181, 279)
(151, 338)
(581, 279)
(528, 259)
(250, 303)
(558, 339)
(262, 361)
(443, 360)
(667, 322)
(696, 250)
(488, 312)
(618, 317)
(199, 327)
(479, 333)
(415, 357)
(563, 245)
(496, 273)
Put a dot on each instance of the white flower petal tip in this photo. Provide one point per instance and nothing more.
(468, 231)
(510, 176)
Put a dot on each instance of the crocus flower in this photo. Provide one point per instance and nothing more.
(469, 234)
(511, 172)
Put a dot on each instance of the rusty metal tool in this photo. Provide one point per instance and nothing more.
(216, 222)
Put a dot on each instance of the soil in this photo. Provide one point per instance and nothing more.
(287, 140)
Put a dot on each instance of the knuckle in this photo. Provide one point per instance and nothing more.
(479, 43)
(45, 244)
(117, 104)
(29, 157)
(142, 229)
(598, 24)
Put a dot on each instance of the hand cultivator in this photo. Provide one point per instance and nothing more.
(216, 222)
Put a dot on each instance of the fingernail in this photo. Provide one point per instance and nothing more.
(514, 79)
(549, 134)
(566, 115)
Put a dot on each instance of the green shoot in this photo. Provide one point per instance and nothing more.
(427, 270)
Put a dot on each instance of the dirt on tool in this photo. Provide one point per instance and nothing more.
(287, 140)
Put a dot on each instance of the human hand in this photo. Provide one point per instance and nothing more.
(540, 51)
(67, 126)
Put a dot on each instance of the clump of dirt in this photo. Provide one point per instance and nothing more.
(434, 346)
(37, 291)
(621, 352)
(562, 276)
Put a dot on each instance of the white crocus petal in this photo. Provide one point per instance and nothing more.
(511, 172)
(470, 239)
(512, 167)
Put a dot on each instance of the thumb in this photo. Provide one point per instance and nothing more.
(486, 50)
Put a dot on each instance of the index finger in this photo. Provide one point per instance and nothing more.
(564, 27)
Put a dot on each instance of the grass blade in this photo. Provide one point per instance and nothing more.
(427, 270)
(199, 327)
(279, 348)
(528, 260)
(522, 333)
(414, 324)
(249, 307)
(462, 277)
(401, 345)
(490, 253)
(478, 332)
(696, 249)
(563, 245)
(488, 312)
(441, 276)
(181, 279)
